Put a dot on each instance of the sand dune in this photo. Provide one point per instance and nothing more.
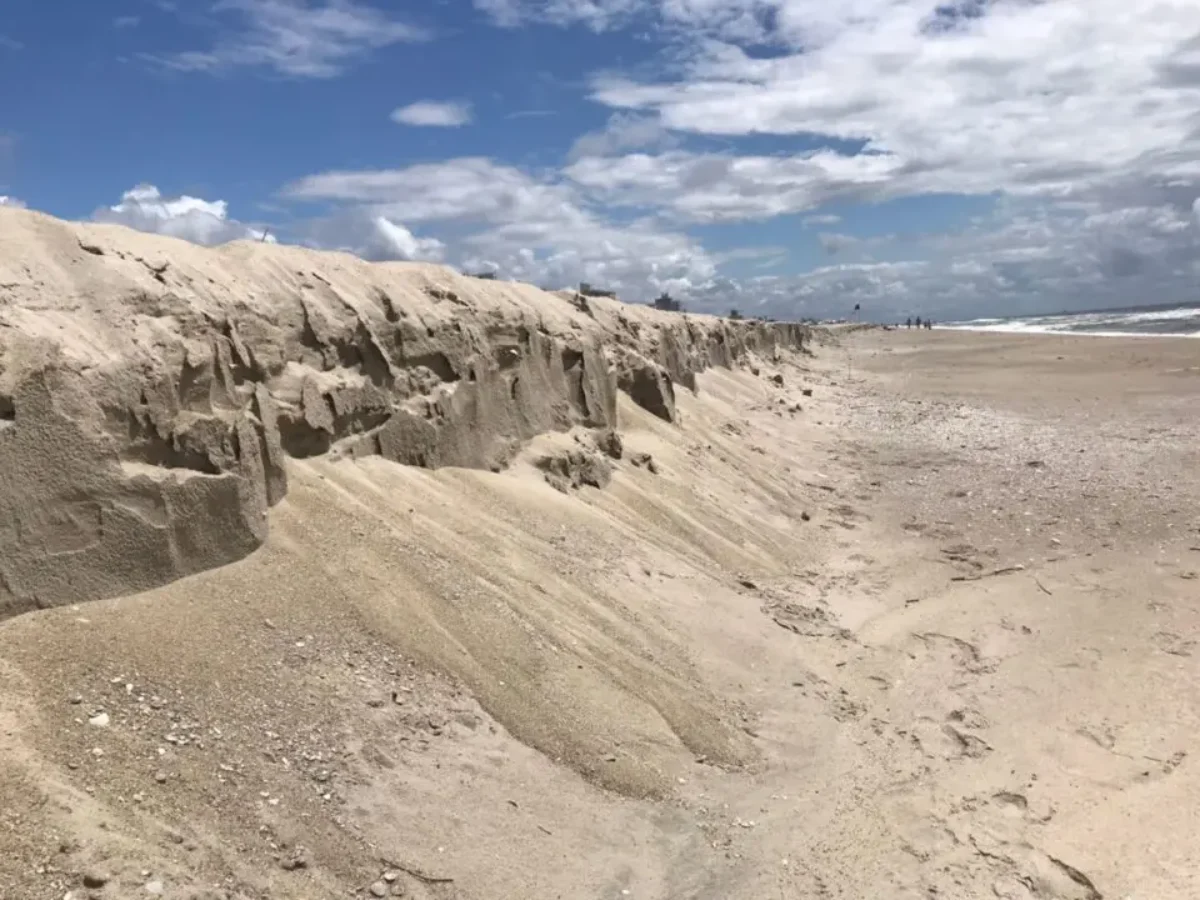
(816, 628)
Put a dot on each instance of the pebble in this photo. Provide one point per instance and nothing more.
(100, 720)
(94, 880)
(298, 860)
(379, 889)
(155, 888)
(161, 777)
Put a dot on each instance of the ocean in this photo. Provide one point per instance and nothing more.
(1133, 321)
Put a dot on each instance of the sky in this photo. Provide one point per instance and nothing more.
(783, 157)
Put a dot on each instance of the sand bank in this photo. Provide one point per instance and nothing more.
(914, 617)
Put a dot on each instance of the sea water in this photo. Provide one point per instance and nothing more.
(1172, 321)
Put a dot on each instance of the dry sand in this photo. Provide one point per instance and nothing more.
(928, 632)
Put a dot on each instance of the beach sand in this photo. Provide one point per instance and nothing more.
(928, 631)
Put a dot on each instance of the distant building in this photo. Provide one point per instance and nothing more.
(486, 276)
(667, 303)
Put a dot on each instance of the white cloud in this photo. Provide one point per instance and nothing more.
(297, 38)
(191, 218)
(623, 132)
(1026, 98)
(823, 219)
(430, 113)
(598, 15)
(1025, 258)
(470, 188)
(11, 202)
(1078, 115)
(536, 229)
(714, 188)
(393, 241)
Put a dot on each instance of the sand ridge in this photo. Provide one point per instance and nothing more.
(841, 640)
(151, 389)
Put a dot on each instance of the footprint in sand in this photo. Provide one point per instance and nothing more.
(948, 741)
(962, 653)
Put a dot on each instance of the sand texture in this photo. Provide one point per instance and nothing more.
(150, 389)
(700, 615)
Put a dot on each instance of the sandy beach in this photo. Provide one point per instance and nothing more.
(914, 616)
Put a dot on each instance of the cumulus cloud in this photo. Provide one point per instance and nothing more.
(1013, 97)
(394, 241)
(11, 202)
(191, 218)
(622, 133)
(1025, 258)
(1078, 115)
(430, 113)
(297, 38)
(505, 219)
(705, 187)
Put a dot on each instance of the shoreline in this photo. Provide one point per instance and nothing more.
(1035, 333)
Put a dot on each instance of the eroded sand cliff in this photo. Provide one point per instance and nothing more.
(150, 389)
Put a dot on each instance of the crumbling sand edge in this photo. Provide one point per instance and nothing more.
(150, 389)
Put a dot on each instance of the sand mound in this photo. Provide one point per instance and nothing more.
(150, 389)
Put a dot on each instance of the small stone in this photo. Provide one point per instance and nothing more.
(610, 444)
(807, 392)
(154, 888)
(778, 379)
(379, 889)
(161, 777)
(805, 517)
(298, 860)
(100, 720)
(95, 880)
(390, 877)
(77, 699)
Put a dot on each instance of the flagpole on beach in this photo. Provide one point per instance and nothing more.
(849, 353)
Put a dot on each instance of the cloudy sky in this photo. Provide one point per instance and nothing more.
(789, 157)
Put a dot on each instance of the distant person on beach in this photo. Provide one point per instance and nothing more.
(908, 322)
(918, 322)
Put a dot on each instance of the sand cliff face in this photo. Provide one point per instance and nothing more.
(150, 389)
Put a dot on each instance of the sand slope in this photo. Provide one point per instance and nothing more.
(151, 388)
(843, 644)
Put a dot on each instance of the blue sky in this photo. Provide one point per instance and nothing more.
(792, 157)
